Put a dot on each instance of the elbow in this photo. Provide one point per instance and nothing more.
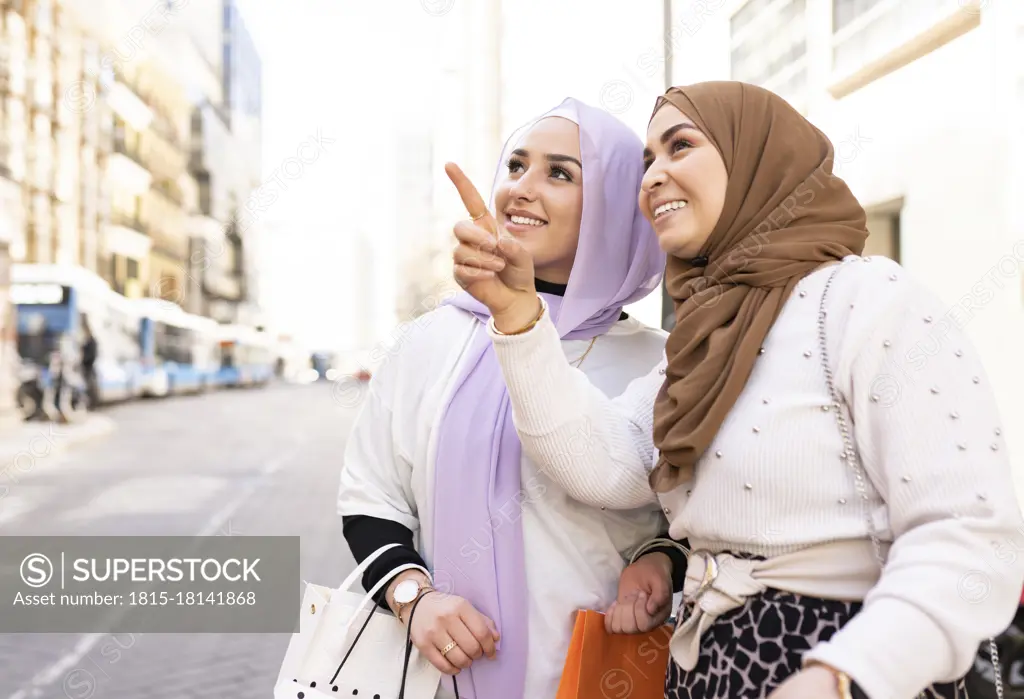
(609, 492)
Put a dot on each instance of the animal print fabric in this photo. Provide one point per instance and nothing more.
(749, 651)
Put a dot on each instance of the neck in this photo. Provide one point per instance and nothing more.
(546, 287)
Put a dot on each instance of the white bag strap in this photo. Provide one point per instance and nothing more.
(368, 598)
(361, 568)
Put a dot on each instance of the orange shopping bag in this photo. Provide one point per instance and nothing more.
(614, 666)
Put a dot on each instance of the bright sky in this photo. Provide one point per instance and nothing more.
(362, 72)
(329, 67)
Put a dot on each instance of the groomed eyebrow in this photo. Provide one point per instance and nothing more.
(669, 133)
(550, 157)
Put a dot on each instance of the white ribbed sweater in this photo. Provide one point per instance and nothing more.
(926, 430)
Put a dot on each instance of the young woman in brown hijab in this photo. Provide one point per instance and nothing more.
(816, 420)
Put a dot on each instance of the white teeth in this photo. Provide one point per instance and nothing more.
(670, 206)
(522, 220)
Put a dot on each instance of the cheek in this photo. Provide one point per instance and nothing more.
(715, 184)
(565, 209)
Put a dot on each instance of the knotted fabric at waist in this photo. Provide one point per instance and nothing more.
(718, 583)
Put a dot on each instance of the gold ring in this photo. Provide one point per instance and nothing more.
(477, 218)
(448, 649)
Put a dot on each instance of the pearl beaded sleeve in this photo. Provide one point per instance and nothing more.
(928, 435)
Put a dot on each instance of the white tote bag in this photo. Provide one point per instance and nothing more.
(346, 644)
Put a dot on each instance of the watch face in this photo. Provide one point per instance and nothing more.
(405, 591)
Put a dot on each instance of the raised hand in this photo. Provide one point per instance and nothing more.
(492, 266)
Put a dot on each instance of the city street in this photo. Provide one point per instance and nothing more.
(232, 463)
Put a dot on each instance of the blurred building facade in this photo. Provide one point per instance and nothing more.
(470, 134)
(416, 255)
(243, 103)
(924, 101)
(121, 128)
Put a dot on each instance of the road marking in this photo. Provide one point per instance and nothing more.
(69, 661)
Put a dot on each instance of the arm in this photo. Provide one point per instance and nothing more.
(374, 499)
(366, 534)
(596, 448)
(937, 457)
(663, 544)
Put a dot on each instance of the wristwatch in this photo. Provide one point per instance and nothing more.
(407, 592)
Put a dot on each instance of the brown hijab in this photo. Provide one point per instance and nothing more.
(785, 214)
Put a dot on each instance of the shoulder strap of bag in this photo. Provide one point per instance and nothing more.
(852, 460)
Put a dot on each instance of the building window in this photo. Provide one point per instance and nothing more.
(883, 223)
(845, 11)
(868, 31)
(769, 46)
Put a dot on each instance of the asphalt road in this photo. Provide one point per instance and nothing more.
(235, 463)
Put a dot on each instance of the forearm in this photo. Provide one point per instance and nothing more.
(365, 535)
(939, 598)
(596, 448)
(675, 555)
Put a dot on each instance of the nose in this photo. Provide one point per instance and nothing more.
(524, 188)
(654, 178)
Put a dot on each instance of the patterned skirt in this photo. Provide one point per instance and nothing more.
(749, 651)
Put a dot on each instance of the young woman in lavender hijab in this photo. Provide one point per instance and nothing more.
(434, 452)
(830, 449)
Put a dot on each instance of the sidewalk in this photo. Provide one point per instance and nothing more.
(28, 441)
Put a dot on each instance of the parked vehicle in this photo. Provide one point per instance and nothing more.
(54, 303)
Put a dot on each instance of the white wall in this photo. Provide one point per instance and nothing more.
(940, 133)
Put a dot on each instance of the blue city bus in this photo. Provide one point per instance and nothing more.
(54, 305)
(246, 357)
(177, 349)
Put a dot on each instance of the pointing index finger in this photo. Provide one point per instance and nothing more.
(471, 198)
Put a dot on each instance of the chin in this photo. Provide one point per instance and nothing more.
(676, 245)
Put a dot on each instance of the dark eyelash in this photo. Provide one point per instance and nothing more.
(556, 169)
(681, 142)
(513, 162)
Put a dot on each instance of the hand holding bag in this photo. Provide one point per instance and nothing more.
(614, 666)
(341, 648)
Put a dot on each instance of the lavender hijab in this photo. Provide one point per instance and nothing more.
(478, 494)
